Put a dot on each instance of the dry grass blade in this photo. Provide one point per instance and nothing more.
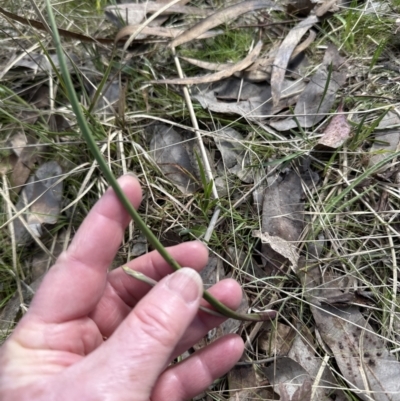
(284, 53)
(206, 65)
(159, 31)
(346, 225)
(241, 65)
(223, 17)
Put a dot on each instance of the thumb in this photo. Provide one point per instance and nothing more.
(140, 349)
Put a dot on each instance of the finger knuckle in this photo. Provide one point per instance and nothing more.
(157, 323)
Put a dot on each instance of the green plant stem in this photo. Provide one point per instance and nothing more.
(149, 281)
(87, 135)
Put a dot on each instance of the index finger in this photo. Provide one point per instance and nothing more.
(74, 285)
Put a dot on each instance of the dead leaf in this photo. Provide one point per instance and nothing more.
(247, 99)
(336, 133)
(289, 380)
(303, 393)
(126, 16)
(239, 66)
(281, 246)
(283, 219)
(159, 31)
(300, 7)
(223, 17)
(302, 351)
(261, 69)
(108, 101)
(140, 245)
(46, 194)
(245, 384)
(229, 143)
(387, 140)
(360, 353)
(169, 153)
(315, 102)
(284, 53)
(28, 156)
(332, 57)
(328, 6)
(276, 341)
(246, 263)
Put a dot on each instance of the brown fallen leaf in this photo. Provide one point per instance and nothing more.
(223, 17)
(369, 368)
(159, 31)
(107, 102)
(302, 393)
(289, 380)
(44, 190)
(328, 6)
(169, 153)
(282, 216)
(280, 246)
(284, 53)
(276, 340)
(245, 385)
(327, 388)
(261, 69)
(336, 133)
(300, 7)
(315, 102)
(251, 100)
(239, 66)
(247, 264)
(27, 157)
(387, 139)
(230, 143)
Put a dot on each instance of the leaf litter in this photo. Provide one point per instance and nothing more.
(318, 97)
(361, 355)
(285, 52)
(218, 76)
(345, 335)
(43, 192)
(169, 153)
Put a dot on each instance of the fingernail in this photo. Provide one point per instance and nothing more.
(187, 283)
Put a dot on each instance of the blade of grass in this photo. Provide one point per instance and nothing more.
(88, 136)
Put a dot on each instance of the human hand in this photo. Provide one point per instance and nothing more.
(90, 335)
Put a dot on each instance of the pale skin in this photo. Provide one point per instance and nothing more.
(94, 335)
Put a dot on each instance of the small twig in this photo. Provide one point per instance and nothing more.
(13, 242)
(259, 361)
